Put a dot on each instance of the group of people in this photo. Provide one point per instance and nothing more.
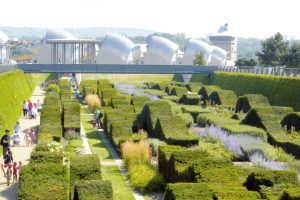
(31, 110)
(8, 161)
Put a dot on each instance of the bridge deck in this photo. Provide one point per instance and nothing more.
(116, 69)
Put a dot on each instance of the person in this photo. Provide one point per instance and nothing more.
(32, 136)
(33, 113)
(38, 106)
(7, 162)
(15, 172)
(99, 115)
(5, 142)
(27, 138)
(25, 108)
(30, 105)
(17, 128)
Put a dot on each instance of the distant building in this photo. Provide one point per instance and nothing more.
(227, 41)
(4, 49)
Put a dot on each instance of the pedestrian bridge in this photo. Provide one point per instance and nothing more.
(116, 69)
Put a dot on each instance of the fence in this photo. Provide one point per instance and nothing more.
(276, 71)
(7, 68)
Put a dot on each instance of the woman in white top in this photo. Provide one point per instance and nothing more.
(25, 108)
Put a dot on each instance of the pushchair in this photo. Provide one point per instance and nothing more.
(16, 139)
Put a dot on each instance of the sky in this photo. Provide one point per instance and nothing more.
(195, 18)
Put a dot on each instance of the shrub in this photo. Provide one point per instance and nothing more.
(106, 94)
(52, 88)
(206, 90)
(160, 86)
(226, 98)
(93, 101)
(190, 99)
(233, 193)
(194, 87)
(120, 100)
(71, 117)
(194, 111)
(178, 91)
(247, 101)
(188, 119)
(46, 157)
(93, 189)
(269, 178)
(155, 92)
(291, 194)
(43, 181)
(291, 120)
(191, 191)
(169, 89)
(172, 98)
(135, 152)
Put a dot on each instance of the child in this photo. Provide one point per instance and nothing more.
(15, 172)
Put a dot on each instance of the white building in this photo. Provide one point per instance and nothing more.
(4, 49)
(160, 51)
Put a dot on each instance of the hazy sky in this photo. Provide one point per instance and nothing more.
(256, 18)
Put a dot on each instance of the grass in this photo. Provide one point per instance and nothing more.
(39, 78)
(130, 78)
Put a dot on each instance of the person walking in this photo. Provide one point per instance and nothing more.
(25, 109)
(38, 106)
(27, 138)
(30, 105)
(5, 142)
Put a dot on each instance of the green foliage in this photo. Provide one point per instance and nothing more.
(246, 62)
(273, 51)
(43, 181)
(291, 194)
(269, 178)
(46, 157)
(190, 99)
(194, 110)
(247, 101)
(120, 100)
(93, 189)
(199, 58)
(188, 119)
(52, 88)
(280, 91)
(206, 90)
(106, 93)
(71, 117)
(194, 87)
(160, 86)
(156, 92)
(178, 91)
(233, 193)
(191, 191)
(226, 98)
(291, 120)
(172, 98)
(292, 58)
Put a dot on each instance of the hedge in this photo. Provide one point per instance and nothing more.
(169, 89)
(173, 130)
(120, 100)
(178, 91)
(269, 118)
(206, 90)
(156, 92)
(190, 99)
(291, 194)
(71, 117)
(46, 157)
(106, 94)
(226, 98)
(270, 178)
(15, 86)
(191, 191)
(194, 110)
(93, 189)
(247, 101)
(233, 193)
(291, 120)
(172, 98)
(119, 132)
(43, 181)
(194, 87)
(160, 86)
(281, 91)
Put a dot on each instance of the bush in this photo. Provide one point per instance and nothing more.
(155, 92)
(194, 111)
(43, 181)
(191, 191)
(172, 98)
(135, 152)
(46, 157)
(226, 98)
(120, 100)
(188, 119)
(281, 91)
(269, 178)
(206, 91)
(106, 94)
(291, 194)
(52, 88)
(160, 86)
(93, 189)
(233, 193)
(178, 91)
(291, 120)
(194, 87)
(190, 99)
(247, 101)
(93, 101)
(71, 118)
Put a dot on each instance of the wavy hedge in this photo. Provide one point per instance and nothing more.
(190, 99)
(206, 90)
(281, 91)
(15, 86)
(226, 98)
(247, 101)
(178, 91)
(292, 120)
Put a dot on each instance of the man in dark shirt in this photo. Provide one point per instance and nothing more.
(5, 142)
(7, 162)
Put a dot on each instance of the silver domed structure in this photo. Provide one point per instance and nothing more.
(160, 51)
(56, 34)
(192, 48)
(115, 49)
(4, 48)
(219, 56)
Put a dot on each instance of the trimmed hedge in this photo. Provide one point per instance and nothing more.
(172, 98)
(291, 194)
(93, 189)
(226, 98)
(194, 110)
(194, 87)
(233, 193)
(156, 92)
(43, 181)
(178, 91)
(190, 99)
(281, 91)
(173, 131)
(206, 90)
(46, 157)
(191, 191)
(160, 86)
(291, 120)
(71, 116)
(106, 93)
(120, 100)
(270, 178)
(247, 101)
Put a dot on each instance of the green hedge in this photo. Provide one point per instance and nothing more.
(291, 194)
(173, 131)
(160, 86)
(194, 87)
(44, 181)
(190, 99)
(156, 92)
(247, 101)
(281, 91)
(191, 191)
(15, 86)
(194, 110)
(226, 98)
(178, 91)
(93, 189)
(120, 100)
(270, 178)
(233, 193)
(46, 157)
(172, 98)
(71, 116)
(291, 120)
(106, 94)
(206, 90)
(269, 118)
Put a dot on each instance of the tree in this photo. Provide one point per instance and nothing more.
(274, 50)
(292, 58)
(246, 62)
(199, 58)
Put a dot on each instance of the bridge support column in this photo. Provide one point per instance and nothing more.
(78, 78)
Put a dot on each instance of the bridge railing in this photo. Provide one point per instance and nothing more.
(7, 68)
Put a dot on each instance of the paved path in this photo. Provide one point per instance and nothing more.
(22, 152)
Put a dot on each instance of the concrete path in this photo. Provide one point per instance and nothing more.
(21, 152)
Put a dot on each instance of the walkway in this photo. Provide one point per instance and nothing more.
(22, 152)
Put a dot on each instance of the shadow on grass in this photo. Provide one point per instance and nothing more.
(95, 136)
